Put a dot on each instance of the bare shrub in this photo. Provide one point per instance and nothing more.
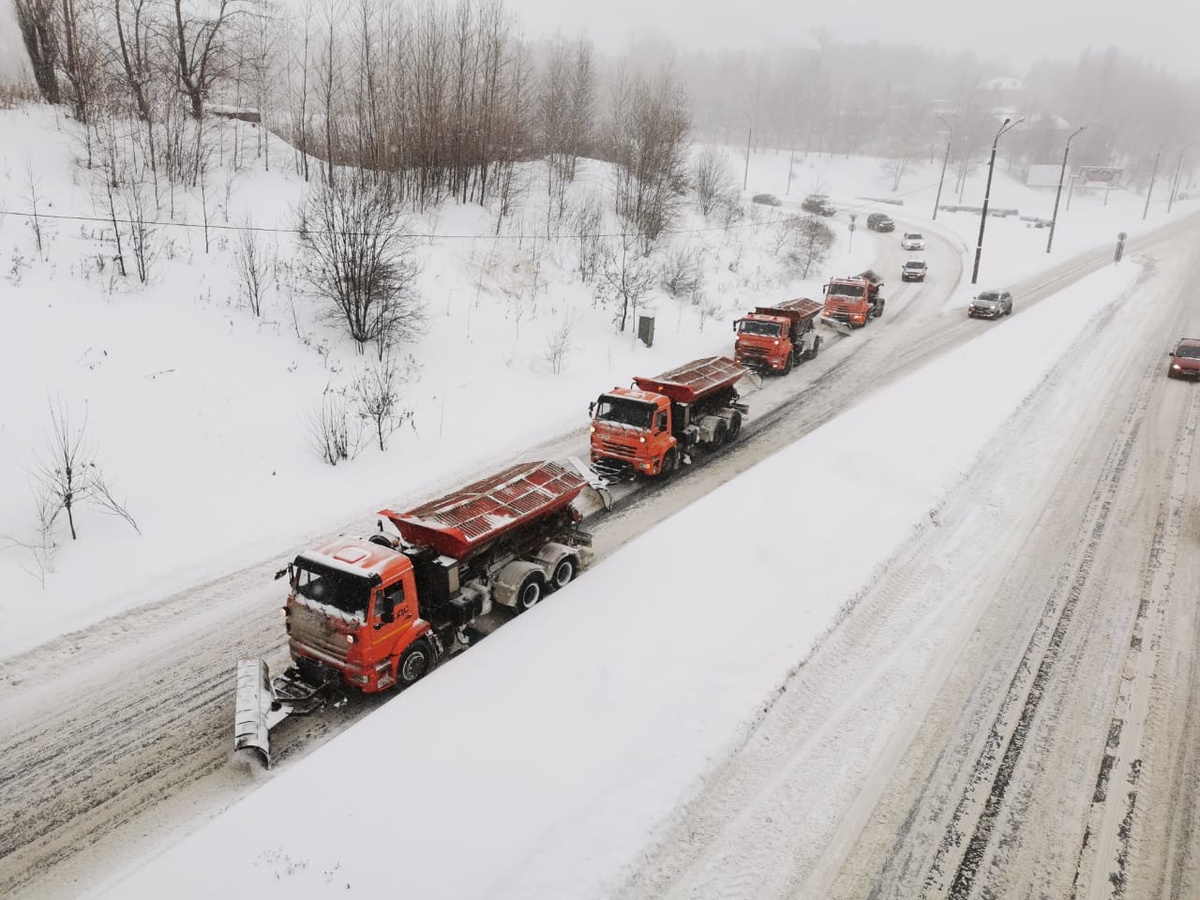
(680, 273)
(335, 434)
(587, 222)
(33, 196)
(378, 393)
(628, 276)
(558, 345)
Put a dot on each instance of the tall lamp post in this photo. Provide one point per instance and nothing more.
(1007, 125)
(1178, 173)
(945, 159)
(1058, 194)
(1150, 189)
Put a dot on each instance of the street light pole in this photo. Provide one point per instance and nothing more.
(987, 192)
(1150, 189)
(945, 159)
(1058, 194)
(1178, 173)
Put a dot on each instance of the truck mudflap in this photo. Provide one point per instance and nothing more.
(262, 703)
(839, 327)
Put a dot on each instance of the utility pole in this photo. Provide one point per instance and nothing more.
(1007, 125)
(1061, 174)
(746, 176)
(945, 159)
(1178, 174)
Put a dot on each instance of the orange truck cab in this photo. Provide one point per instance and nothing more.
(775, 338)
(854, 300)
(651, 427)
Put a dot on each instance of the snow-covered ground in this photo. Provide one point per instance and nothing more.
(547, 757)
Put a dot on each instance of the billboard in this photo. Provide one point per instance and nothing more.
(1100, 176)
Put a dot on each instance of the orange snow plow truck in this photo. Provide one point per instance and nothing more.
(652, 427)
(852, 302)
(375, 613)
(775, 338)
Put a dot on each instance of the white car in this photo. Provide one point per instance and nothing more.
(912, 241)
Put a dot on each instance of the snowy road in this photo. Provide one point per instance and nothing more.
(116, 739)
(1017, 688)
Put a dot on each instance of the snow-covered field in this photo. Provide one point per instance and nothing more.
(561, 756)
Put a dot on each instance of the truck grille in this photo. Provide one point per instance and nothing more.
(310, 629)
(754, 353)
(621, 451)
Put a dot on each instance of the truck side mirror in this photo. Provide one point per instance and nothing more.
(591, 407)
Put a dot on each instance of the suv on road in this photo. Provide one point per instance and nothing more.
(913, 240)
(914, 270)
(990, 305)
(767, 200)
(880, 222)
(1185, 359)
(818, 205)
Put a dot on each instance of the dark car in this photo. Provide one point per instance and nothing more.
(1185, 359)
(990, 305)
(767, 200)
(818, 205)
(880, 222)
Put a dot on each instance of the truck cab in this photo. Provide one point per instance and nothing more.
(648, 429)
(775, 338)
(631, 428)
(351, 613)
(854, 300)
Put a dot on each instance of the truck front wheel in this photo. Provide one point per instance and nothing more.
(816, 348)
(529, 594)
(788, 363)
(670, 463)
(415, 663)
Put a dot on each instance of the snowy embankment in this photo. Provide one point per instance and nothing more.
(542, 762)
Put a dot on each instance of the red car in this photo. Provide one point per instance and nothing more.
(1185, 359)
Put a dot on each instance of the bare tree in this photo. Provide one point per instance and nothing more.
(143, 233)
(358, 256)
(680, 271)
(200, 50)
(628, 275)
(35, 18)
(67, 474)
(813, 242)
(712, 180)
(33, 196)
(253, 267)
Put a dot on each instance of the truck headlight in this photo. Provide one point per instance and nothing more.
(642, 439)
(349, 639)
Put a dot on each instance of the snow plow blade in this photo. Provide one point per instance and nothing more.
(839, 327)
(251, 730)
(263, 702)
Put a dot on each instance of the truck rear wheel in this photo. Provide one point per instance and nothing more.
(735, 426)
(415, 663)
(529, 594)
(564, 572)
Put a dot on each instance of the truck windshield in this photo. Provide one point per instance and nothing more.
(840, 289)
(766, 329)
(624, 411)
(330, 587)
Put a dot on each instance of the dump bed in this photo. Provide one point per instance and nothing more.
(694, 380)
(461, 523)
(796, 310)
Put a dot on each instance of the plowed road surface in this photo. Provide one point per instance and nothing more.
(1008, 712)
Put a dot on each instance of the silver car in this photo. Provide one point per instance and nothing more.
(990, 305)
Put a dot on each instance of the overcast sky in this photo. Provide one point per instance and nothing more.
(1163, 31)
